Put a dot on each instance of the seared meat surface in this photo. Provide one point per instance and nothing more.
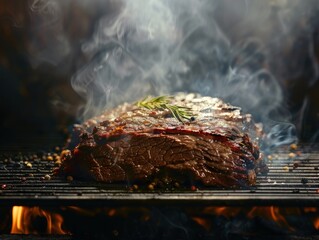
(214, 146)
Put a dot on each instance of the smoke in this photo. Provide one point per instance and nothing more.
(161, 47)
(49, 14)
(230, 49)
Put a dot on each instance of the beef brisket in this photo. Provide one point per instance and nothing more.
(216, 145)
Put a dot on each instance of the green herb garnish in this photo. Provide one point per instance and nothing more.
(164, 103)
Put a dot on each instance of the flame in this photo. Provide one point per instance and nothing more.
(205, 223)
(228, 212)
(316, 223)
(270, 213)
(310, 210)
(34, 220)
(23, 221)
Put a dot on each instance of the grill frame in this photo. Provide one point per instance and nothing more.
(295, 186)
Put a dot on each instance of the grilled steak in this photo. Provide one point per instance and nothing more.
(190, 139)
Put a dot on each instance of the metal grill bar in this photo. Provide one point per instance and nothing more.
(290, 181)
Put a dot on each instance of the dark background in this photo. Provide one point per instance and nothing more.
(38, 102)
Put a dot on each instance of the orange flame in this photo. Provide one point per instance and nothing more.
(228, 212)
(23, 221)
(316, 223)
(270, 213)
(205, 223)
(310, 210)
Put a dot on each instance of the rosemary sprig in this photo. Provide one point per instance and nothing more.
(164, 102)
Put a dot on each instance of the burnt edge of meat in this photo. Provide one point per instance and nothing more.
(140, 146)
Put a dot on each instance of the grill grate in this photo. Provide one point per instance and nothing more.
(290, 181)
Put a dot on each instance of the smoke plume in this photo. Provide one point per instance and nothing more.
(228, 49)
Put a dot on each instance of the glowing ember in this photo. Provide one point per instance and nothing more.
(281, 217)
(203, 222)
(316, 223)
(25, 220)
(112, 212)
(228, 212)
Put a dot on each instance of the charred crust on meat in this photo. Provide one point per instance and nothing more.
(218, 148)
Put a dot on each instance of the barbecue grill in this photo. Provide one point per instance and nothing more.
(262, 56)
(290, 181)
